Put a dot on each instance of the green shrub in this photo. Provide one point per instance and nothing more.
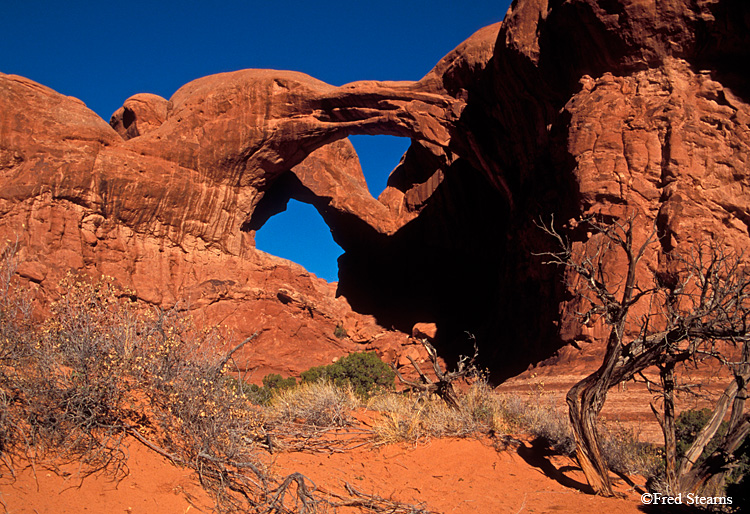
(275, 381)
(363, 371)
(687, 426)
(340, 331)
(261, 395)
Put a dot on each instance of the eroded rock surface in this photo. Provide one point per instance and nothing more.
(568, 108)
(140, 114)
(80, 199)
(641, 109)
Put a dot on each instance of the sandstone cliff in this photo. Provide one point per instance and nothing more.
(566, 108)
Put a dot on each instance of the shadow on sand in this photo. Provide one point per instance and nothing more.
(538, 453)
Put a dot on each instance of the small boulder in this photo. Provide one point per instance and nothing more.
(424, 331)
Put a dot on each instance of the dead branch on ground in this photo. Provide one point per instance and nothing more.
(443, 387)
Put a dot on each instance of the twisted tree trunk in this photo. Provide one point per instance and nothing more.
(585, 401)
(583, 417)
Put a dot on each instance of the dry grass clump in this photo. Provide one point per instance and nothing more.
(626, 454)
(410, 417)
(538, 415)
(413, 417)
(319, 404)
(314, 416)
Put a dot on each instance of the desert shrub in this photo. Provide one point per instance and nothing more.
(318, 404)
(68, 392)
(363, 371)
(15, 308)
(15, 324)
(8, 435)
(102, 368)
(261, 395)
(412, 417)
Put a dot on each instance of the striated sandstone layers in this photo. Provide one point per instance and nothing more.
(567, 108)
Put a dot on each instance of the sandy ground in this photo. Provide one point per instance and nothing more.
(463, 475)
(443, 475)
(471, 475)
(153, 485)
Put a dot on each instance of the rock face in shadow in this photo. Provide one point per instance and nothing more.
(624, 108)
(569, 109)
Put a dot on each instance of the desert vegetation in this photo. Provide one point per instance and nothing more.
(694, 314)
(101, 369)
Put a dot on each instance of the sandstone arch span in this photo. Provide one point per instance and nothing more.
(570, 108)
(165, 200)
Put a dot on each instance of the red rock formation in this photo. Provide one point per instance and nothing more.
(619, 108)
(568, 108)
(140, 114)
(161, 208)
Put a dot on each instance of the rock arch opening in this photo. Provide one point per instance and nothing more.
(378, 156)
(439, 248)
(299, 234)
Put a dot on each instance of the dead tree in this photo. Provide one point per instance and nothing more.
(444, 386)
(703, 300)
(708, 477)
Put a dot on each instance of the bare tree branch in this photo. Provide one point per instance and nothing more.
(700, 300)
(444, 386)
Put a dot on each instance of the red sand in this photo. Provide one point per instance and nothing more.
(461, 475)
(445, 475)
(153, 485)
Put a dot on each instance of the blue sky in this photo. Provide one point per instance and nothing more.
(105, 51)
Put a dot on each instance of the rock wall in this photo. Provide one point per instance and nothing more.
(567, 108)
(621, 108)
